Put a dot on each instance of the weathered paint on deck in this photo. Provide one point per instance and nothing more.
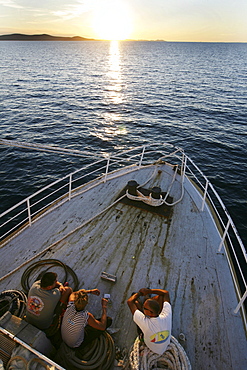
(144, 250)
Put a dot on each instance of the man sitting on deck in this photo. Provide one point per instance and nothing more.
(80, 327)
(47, 300)
(153, 317)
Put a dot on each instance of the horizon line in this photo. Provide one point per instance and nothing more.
(70, 38)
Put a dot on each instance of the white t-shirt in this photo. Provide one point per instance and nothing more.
(156, 330)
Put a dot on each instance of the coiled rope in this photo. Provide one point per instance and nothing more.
(174, 358)
(51, 263)
(157, 202)
(17, 362)
(100, 354)
(13, 301)
(22, 359)
(20, 363)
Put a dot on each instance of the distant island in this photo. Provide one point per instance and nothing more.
(43, 37)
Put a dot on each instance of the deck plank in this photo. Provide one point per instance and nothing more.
(144, 250)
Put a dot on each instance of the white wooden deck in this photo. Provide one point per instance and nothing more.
(143, 250)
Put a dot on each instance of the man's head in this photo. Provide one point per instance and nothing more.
(151, 308)
(48, 280)
(80, 300)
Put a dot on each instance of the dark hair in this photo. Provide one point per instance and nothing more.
(154, 306)
(48, 279)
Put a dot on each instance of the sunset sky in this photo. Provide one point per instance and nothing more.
(170, 20)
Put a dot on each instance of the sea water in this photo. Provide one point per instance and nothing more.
(106, 96)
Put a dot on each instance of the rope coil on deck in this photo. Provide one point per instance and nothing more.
(99, 354)
(146, 199)
(49, 263)
(21, 363)
(13, 301)
(156, 202)
(174, 358)
(22, 359)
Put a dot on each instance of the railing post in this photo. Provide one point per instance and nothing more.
(184, 167)
(29, 212)
(107, 168)
(142, 155)
(224, 235)
(240, 302)
(70, 185)
(204, 196)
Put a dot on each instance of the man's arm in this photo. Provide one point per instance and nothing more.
(160, 292)
(65, 291)
(132, 302)
(99, 324)
(162, 295)
(93, 291)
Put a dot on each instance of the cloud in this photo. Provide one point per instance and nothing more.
(74, 10)
(10, 4)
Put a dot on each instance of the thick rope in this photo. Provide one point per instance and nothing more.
(174, 358)
(13, 301)
(21, 363)
(157, 202)
(99, 354)
(38, 361)
(47, 148)
(51, 263)
(17, 362)
(145, 199)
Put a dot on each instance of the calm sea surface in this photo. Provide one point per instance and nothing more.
(103, 96)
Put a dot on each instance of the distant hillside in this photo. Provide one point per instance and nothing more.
(43, 37)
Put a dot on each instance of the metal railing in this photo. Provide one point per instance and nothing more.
(32, 350)
(27, 211)
(229, 237)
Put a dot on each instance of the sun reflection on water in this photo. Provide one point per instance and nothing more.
(111, 124)
(114, 74)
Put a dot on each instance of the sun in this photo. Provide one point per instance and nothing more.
(112, 20)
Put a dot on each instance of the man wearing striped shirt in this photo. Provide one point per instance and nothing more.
(80, 327)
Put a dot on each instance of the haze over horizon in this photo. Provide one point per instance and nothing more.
(177, 20)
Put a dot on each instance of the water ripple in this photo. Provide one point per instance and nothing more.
(87, 95)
